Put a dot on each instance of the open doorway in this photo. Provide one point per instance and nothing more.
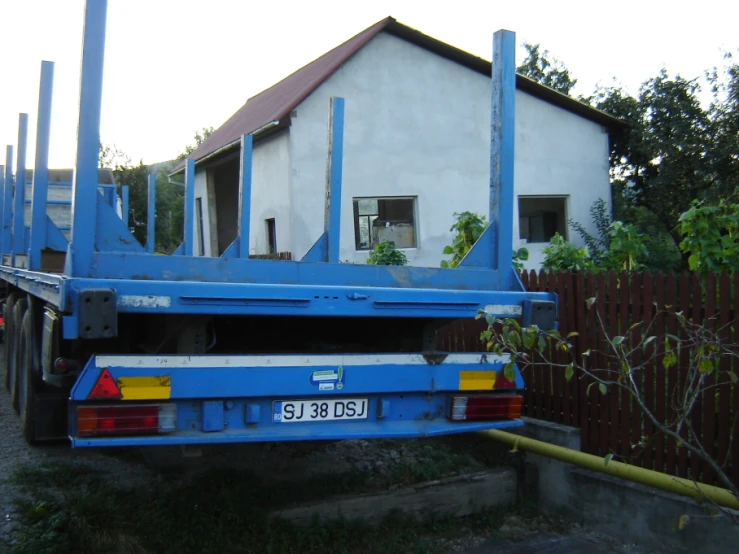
(225, 197)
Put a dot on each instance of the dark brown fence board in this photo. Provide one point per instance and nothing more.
(558, 376)
(724, 390)
(635, 339)
(545, 282)
(673, 385)
(592, 393)
(735, 443)
(624, 398)
(581, 409)
(709, 399)
(602, 364)
(646, 330)
(678, 374)
(697, 419)
(659, 370)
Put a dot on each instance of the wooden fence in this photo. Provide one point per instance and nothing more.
(614, 423)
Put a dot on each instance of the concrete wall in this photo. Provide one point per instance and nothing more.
(270, 196)
(418, 125)
(635, 513)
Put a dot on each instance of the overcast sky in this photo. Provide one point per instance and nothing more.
(175, 66)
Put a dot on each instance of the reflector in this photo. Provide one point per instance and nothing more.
(105, 387)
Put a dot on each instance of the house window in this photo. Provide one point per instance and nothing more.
(379, 220)
(271, 236)
(540, 217)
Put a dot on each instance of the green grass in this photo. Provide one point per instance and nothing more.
(74, 510)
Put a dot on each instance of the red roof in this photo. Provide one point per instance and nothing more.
(276, 102)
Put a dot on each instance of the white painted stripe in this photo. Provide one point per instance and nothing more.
(164, 362)
(503, 309)
(144, 301)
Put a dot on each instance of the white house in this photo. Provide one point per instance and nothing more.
(416, 150)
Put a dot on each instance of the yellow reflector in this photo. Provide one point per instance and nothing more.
(145, 388)
(477, 380)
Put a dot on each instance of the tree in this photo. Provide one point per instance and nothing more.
(675, 150)
(136, 177)
(199, 138)
(549, 72)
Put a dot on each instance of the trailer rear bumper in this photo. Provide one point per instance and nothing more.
(314, 432)
(155, 400)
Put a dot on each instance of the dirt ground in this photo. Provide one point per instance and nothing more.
(383, 464)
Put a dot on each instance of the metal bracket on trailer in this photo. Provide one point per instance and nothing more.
(98, 315)
(542, 313)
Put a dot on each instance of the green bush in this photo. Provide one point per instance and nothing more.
(711, 236)
(385, 253)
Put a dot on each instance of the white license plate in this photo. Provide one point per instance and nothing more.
(293, 411)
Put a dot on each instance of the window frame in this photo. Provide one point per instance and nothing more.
(271, 225)
(357, 217)
(565, 211)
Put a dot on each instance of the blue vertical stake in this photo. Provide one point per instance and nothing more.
(85, 195)
(41, 168)
(124, 204)
(189, 234)
(2, 204)
(151, 220)
(501, 150)
(332, 223)
(8, 202)
(247, 146)
(19, 209)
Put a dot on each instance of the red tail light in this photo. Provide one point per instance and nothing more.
(97, 421)
(486, 407)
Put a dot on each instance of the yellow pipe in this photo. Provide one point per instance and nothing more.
(722, 497)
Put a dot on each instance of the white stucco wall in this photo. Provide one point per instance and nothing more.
(559, 154)
(418, 125)
(270, 196)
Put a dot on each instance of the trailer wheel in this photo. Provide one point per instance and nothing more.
(7, 316)
(21, 304)
(28, 371)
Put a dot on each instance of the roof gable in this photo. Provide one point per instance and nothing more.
(275, 103)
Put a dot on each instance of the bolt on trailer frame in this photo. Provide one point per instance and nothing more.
(79, 367)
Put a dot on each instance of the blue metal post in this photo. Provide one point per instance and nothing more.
(85, 186)
(8, 202)
(501, 148)
(2, 206)
(247, 144)
(189, 236)
(151, 221)
(109, 195)
(41, 168)
(333, 177)
(124, 204)
(19, 232)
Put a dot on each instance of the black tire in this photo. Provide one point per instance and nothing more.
(28, 380)
(19, 311)
(8, 316)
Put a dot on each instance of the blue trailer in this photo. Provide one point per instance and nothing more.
(109, 344)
